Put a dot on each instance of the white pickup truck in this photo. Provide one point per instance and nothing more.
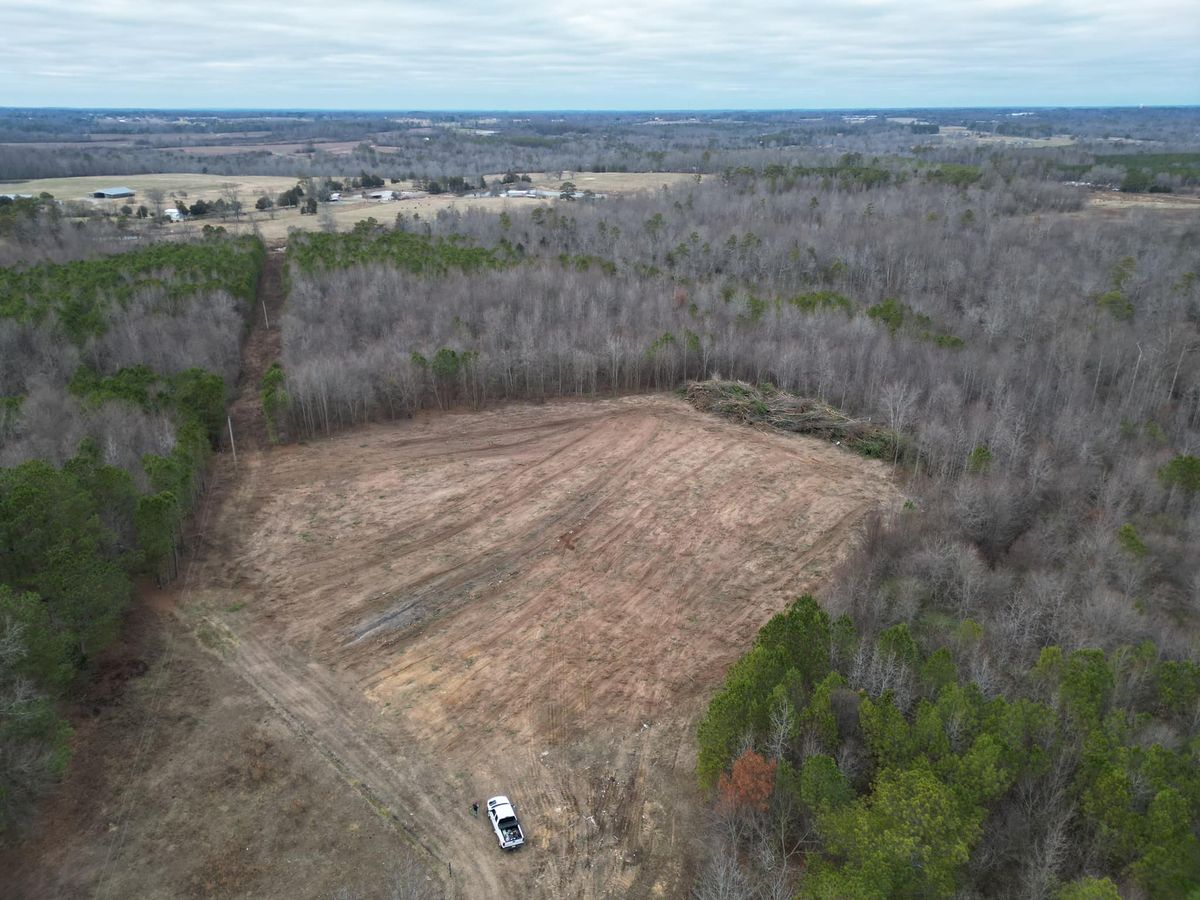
(504, 822)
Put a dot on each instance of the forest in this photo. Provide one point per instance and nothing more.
(997, 695)
(114, 374)
(1009, 661)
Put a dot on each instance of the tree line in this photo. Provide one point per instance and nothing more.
(883, 764)
(113, 377)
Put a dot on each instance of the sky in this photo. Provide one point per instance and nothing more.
(613, 54)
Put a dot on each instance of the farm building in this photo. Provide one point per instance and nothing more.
(113, 193)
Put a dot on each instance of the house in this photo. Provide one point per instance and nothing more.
(112, 193)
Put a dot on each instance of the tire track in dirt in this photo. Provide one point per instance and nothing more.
(395, 784)
(462, 577)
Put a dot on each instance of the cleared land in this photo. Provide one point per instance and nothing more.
(1169, 203)
(961, 133)
(531, 600)
(185, 783)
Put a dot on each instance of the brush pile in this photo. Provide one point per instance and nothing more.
(765, 405)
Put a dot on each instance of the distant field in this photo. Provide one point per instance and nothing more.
(288, 148)
(192, 185)
(958, 132)
(1161, 202)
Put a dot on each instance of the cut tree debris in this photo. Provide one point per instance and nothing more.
(766, 405)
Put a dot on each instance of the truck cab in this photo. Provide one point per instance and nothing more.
(504, 822)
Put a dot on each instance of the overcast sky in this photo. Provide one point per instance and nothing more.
(611, 54)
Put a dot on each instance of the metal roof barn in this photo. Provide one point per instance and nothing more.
(112, 193)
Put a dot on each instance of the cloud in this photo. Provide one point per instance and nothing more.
(620, 54)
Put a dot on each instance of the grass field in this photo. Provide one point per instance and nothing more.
(959, 133)
(194, 186)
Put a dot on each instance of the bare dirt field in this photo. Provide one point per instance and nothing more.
(534, 600)
(1171, 203)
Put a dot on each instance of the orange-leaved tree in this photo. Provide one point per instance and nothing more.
(749, 783)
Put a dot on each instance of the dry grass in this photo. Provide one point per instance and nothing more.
(1160, 202)
(959, 133)
(194, 186)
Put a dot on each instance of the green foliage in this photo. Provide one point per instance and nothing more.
(818, 300)
(793, 645)
(582, 262)
(817, 718)
(81, 293)
(55, 546)
(979, 460)
(888, 734)
(47, 656)
(1169, 864)
(955, 175)
(194, 394)
(897, 641)
(908, 838)
(1089, 888)
(1177, 684)
(72, 539)
(1115, 301)
(1182, 472)
(899, 316)
(274, 398)
(34, 739)
(890, 312)
(1087, 684)
(662, 342)
(938, 671)
(849, 174)
(415, 253)
(1131, 542)
(1184, 165)
(944, 764)
(818, 785)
